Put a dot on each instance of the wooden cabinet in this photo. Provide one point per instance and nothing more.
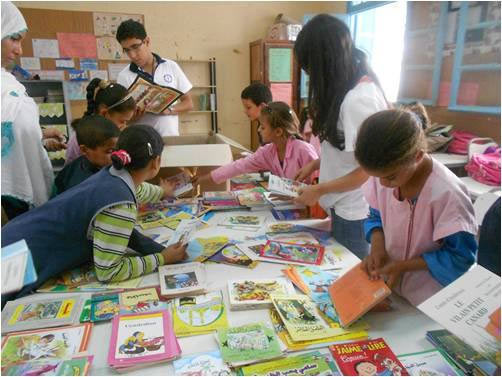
(273, 64)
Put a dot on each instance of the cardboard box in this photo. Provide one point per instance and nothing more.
(199, 153)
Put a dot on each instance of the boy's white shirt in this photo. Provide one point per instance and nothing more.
(167, 73)
(359, 103)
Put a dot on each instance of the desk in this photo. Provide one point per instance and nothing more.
(451, 160)
(403, 329)
(476, 188)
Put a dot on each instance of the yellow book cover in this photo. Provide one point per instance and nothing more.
(173, 221)
(131, 298)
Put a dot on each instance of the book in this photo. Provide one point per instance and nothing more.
(248, 344)
(195, 315)
(172, 222)
(322, 236)
(354, 294)
(182, 279)
(221, 200)
(182, 183)
(300, 238)
(428, 363)
(152, 219)
(199, 249)
(85, 315)
(285, 252)
(253, 198)
(142, 339)
(76, 366)
(255, 293)
(154, 98)
(299, 315)
(368, 357)
(104, 307)
(470, 309)
(284, 186)
(243, 222)
(41, 313)
(307, 364)
(290, 214)
(18, 269)
(183, 233)
(201, 364)
(230, 254)
(55, 343)
(141, 301)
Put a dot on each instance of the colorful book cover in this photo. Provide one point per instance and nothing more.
(199, 249)
(56, 343)
(85, 316)
(201, 364)
(18, 269)
(78, 366)
(218, 195)
(284, 186)
(232, 255)
(248, 343)
(368, 357)
(468, 308)
(300, 238)
(243, 221)
(79, 276)
(182, 183)
(141, 301)
(149, 220)
(255, 293)
(322, 236)
(142, 338)
(290, 214)
(252, 197)
(299, 315)
(428, 363)
(194, 315)
(172, 222)
(307, 364)
(179, 279)
(104, 307)
(284, 252)
(354, 294)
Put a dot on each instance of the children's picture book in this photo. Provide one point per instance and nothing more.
(85, 315)
(307, 364)
(141, 301)
(172, 222)
(243, 222)
(56, 343)
(230, 254)
(299, 315)
(248, 344)
(202, 364)
(255, 293)
(199, 249)
(194, 315)
(284, 186)
(428, 363)
(184, 232)
(41, 313)
(470, 309)
(149, 220)
(77, 366)
(18, 269)
(290, 214)
(142, 339)
(182, 279)
(104, 307)
(285, 252)
(354, 294)
(154, 98)
(300, 238)
(368, 357)
(182, 183)
(322, 236)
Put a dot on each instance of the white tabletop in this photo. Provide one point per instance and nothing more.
(403, 328)
(451, 160)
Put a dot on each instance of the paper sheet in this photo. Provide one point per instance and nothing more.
(49, 75)
(282, 92)
(45, 48)
(279, 64)
(30, 63)
(76, 90)
(65, 63)
(109, 49)
(77, 45)
(88, 64)
(103, 75)
(108, 23)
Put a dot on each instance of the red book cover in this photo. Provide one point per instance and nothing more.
(367, 358)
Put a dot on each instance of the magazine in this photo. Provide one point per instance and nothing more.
(17, 267)
(77, 366)
(154, 98)
(428, 363)
(284, 186)
(201, 364)
(367, 357)
(230, 254)
(104, 307)
(285, 252)
(182, 279)
(255, 293)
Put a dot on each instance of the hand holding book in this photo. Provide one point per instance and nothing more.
(175, 253)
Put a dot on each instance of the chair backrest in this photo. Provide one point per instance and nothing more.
(483, 203)
(479, 145)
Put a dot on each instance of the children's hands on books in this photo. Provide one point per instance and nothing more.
(169, 111)
(199, 179)
(305, 172)
(168, 187)
(377, 257)
(175, 253)
(139, 111)
(308, 195)
(391, 272)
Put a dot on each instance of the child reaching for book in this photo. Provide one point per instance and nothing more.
(421, 222)
(284, 154)
(97, 138)
(95, 220)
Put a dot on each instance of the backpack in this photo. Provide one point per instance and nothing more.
(438, 137)
(485, 167)
(460, 142)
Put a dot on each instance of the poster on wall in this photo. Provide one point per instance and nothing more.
(282, 92)
(109, 49)
(45, 48)
(77, 45)
(108, 23)
(279, 65)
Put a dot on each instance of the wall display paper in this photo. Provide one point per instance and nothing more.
(65, 63)
(109, 49)
(77, 75)
(108, 23)
(76, 90)
(49, 75)
(103, 75)
(30, 63)
(77, 45)
(282, 92)
(45, 48)
(88, 64)
(279, 64)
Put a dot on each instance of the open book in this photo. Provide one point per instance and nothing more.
(284, 186)
(153, 97)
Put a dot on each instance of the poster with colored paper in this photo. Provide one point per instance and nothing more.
(88, 64)
(282, 92)
(103, 75)
(76, 90)
(65, 63)
(108, 23)
(45, 48)
(30, 63)
(49, 75)
(109, 49)
(279, 64)
(77, 75)
(77, 45)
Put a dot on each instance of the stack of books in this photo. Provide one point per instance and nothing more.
(182, 279)
(139, 340)
(251, 294)
(284, 186)
(76, 366)
(254, 199)
(429, 363)
(221, 200)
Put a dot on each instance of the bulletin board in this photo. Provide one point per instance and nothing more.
(87, 37)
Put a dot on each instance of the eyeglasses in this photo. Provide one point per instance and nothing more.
(134, 47)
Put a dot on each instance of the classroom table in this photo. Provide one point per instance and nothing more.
(403, 328)
(451, 160)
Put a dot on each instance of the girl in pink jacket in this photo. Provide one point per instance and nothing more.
(283, 155)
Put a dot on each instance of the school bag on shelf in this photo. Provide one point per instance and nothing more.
(485, 167)
(438, 137)
(460, 142)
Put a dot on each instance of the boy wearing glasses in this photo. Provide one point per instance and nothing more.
(136, 44)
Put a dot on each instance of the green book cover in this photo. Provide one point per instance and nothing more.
(85, 316)
(74, 367)
(249, 342)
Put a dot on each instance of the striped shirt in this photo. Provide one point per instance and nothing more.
(148, 193)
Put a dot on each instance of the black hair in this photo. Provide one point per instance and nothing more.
(280, 115)
(142, 143)
(258, 93)
(419, 109)
(326, 51)
(130, 29)
(304, 116)
(94, 130)
(102, 92)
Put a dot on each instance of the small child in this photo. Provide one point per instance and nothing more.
(109, 100)
(97, 137)
(254, 98)
(95, 220)
(284, 154)
(421, 222)
(306, 130)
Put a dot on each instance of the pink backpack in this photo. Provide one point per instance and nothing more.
(485, 167)
(460, 142)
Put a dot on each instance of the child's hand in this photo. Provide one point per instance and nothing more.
(199, 179)
(168, 187)
(174, 253)
(139, 111)
(391, 272)
(53, 145)
(308, 195)
(305, 172)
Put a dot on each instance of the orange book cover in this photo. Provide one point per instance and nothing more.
(354, 294)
